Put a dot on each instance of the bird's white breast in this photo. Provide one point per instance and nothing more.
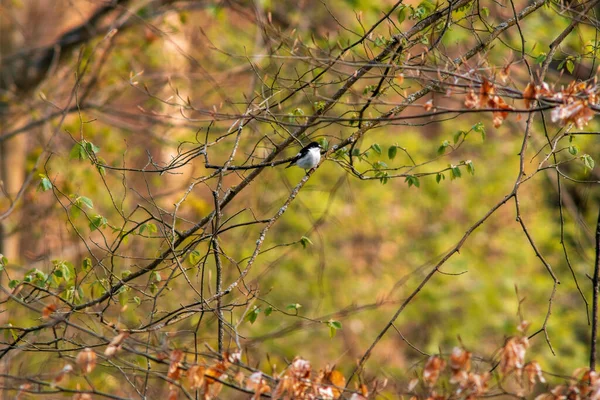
(310, 160)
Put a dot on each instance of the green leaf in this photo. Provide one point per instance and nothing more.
(442, 148)
(295, 306)
(588, 162)
(402, 14)
(439, 177)
(540, 58)
(82, 200)
(253, 314)
(324, 143)
(333, 327)
(485, 11)
(458, 135)
(470, 167)
(412, 181)
(91, 147)
(137, 300)
(194, 257)
(13, 283)
(45, 183)
(305, 241)
(479, 128)
(268, 311)
(97, 221)
(455, 172)
(86, 264)
(573, 150)
(151, 227)
(377, 148)
(319, 105)
(392, 151)
(155, 276)
(570, 66)
(78, 153)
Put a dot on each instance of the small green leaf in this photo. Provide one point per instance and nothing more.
(588, 162)
(86, 264)
(439, 177)
(253, 314)
(82, 200)
(295, 306)
(78, 153)
(412, 181)
(319, 105)
(13, 283)
(540, 58)
(151, 227)
(479, 128)
(485, 11)
(97, 221)
(194, 257)
(333, 327)
(155, 276)
(402, 14)
(305, 241)
(91, 147)
(470, 167)
(442, 148)
(573, 150)
(455, 172)
(570, 66)
(376, 147)
(458, 135)
(392, 151)
(324, 143)
(137, 300)
(268, 311)
(45, 183)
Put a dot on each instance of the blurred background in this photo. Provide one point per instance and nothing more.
(96, 95)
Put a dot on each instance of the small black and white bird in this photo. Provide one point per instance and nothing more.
(308, 157)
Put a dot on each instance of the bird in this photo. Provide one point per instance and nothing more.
(308, 157)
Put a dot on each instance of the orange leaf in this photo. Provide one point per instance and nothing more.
(86, 359)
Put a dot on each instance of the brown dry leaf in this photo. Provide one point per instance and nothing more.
(460, 364)
(68, 368)
(413, 384)
(530, 94)
(239, 378)
(432, 370)
(471, 101)
(428, 105)
(300, 368)
(513, 354)
(476, 384)
(48, 310)
(86, 360)
(174, 370)
(173, 392)
(505, 72)
(532, 371)
(577, 113)
(195, 376)
(335, 378)
(115, 344)
(486, 92)
(499, 116)
(81, 396)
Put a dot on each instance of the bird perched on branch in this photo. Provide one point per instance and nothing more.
(308, 157)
